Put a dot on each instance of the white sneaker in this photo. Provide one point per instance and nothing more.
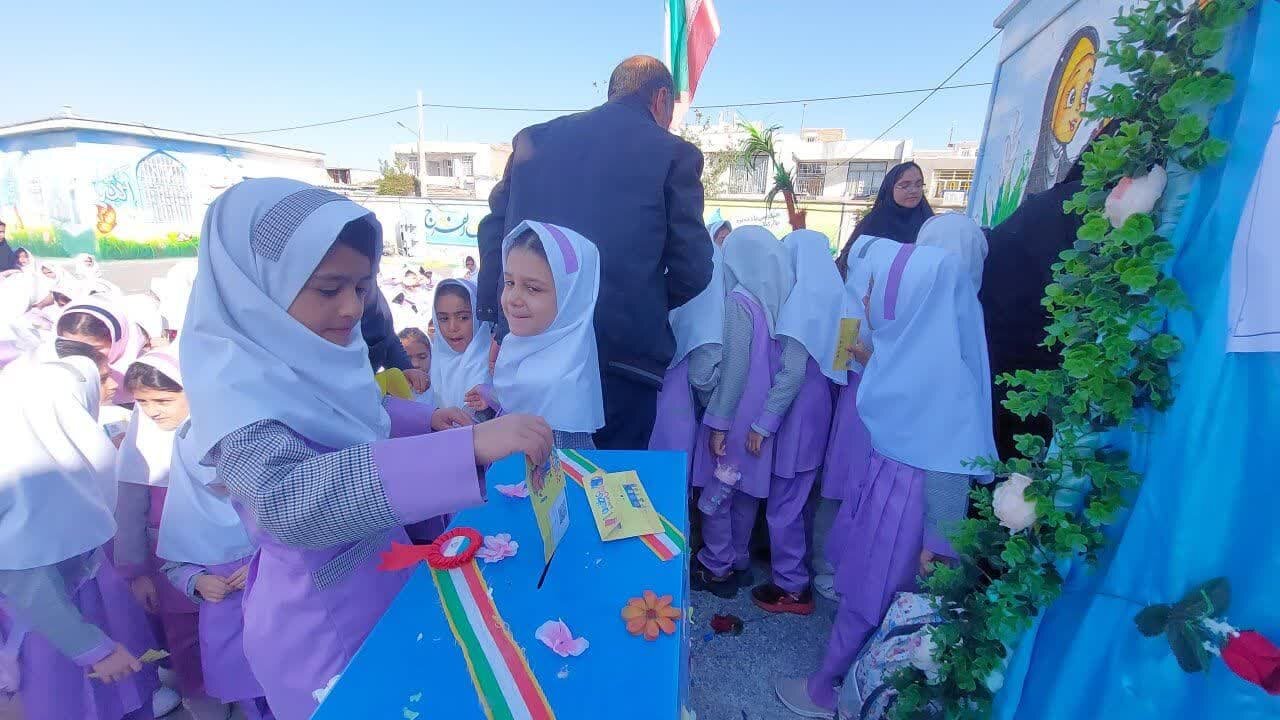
(207, 708)
(825, 585)
(168, 677)
(164, 701)
(794, 693)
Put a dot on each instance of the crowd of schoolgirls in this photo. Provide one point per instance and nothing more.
(219, 488)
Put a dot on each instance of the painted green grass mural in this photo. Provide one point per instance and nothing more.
(1008, 196)
(59, 242)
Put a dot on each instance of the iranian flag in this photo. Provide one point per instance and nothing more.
(692, 29)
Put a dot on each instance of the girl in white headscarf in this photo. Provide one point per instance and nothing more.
(694, 370)
(547, 365)
(57, 491)
(460, 355)
(925, 399)
(959, 235)
(323, 471)
(760, 374)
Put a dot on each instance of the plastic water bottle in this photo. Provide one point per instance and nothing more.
(714, 495)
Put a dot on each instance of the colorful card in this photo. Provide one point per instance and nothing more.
(847, 338)
(621, 506)
(550, 506)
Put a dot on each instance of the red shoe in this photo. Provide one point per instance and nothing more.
(771, 598)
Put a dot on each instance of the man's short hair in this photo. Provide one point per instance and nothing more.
(643, 74)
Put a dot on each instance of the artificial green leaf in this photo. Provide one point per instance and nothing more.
(1186, 648)
(1208, 41)
(1210, 599)
(1152, 620)
(1187, 130)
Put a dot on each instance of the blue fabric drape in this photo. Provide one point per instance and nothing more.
(1209, 504)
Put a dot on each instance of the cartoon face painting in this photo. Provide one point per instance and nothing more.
(1066, 99)
(1073, 90)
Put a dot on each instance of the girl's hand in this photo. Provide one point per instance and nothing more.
(144, 591)
(449, 418)
(418, 380)
(213, 588)
(475, 400)
(510, 434)
(238, 579)
(861, 353)
(718, 444)
(119, 665)
(754, 441)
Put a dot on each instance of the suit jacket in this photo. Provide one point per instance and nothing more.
(632, 188)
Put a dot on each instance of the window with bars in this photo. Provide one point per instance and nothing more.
(864, 178)
(811, 178)
(945, 181)
(164, 188)
(466, 165)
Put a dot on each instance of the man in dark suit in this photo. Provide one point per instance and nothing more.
(618, 176)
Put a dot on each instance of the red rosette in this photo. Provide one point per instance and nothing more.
(435, 552)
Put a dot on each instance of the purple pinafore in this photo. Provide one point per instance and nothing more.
(798, 453)
(178, 616)
(727, 532)
(227, 675)
(845, 468)
(676, 425)
(53, 687)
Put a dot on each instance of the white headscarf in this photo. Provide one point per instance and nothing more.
(144, 310)
(57, 488)
(957, 233)
(173, 290)
(815, 306)
(199, 524)
(714, 227)
(454, 373)
(244, 357)
(146, 450)
(926, 394)
(701, 320)
(556, 374)
(755, 262)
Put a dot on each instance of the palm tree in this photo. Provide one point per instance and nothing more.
(760, 142)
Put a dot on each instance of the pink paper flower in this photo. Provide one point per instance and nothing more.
(497, 547)
(519, 490)
(555, 635)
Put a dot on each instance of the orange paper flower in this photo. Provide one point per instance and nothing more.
(650, 614)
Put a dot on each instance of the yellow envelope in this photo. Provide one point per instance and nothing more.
(846, 339)
(621, 506)
(550, 506)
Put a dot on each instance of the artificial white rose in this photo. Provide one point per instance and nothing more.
(1011, 505)
(922, 655)
(995, 681)
(1132, 196)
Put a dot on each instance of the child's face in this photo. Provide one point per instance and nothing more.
(166, 409)
(107, 384)
(419, 354)
(453, 317)
(410, 280)
(529, 292)
(721, 233)
(331, 302)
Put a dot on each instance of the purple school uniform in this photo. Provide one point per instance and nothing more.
(676, 425)
(54, 687)
(802, 438)
(226, 671)
(178, 617)
(726, 533)
(845, 468)
(308, 609)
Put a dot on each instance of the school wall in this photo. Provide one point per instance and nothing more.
(831, 218)
(437, 233)
(122, 196)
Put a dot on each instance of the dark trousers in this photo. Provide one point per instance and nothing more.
(629, 411)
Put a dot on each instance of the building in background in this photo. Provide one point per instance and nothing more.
(836, 178)
(123, 190)
(471, 167)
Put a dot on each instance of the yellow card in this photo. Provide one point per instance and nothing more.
(550, 506)
(621, 506)
(846, 339)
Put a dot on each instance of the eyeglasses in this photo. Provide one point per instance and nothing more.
(909, 186)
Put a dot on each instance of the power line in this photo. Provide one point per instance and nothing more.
(493, 108)
(925, 99)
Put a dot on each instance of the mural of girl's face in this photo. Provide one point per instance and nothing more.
(909, 189)
(1073, 91)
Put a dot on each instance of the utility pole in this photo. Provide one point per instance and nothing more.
(422, 153)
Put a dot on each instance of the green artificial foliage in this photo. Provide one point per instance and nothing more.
(1109, 297)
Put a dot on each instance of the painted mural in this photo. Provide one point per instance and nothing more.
(122, 200)
(1037, 130)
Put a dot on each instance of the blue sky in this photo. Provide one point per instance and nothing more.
(267, 64)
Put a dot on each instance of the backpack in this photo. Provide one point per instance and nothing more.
(866, 693)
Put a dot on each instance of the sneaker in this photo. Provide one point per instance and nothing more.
(771, 598)
(164, 701)
(746, 577)
(207, 708)
(702, 579)
(825, 585)
(167, 676)
(794, 693)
